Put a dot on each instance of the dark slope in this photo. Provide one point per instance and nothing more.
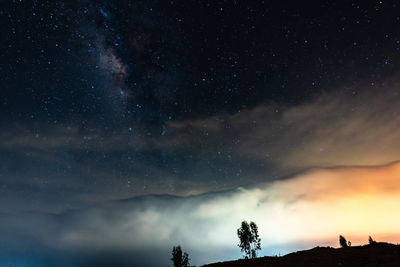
(380, 254)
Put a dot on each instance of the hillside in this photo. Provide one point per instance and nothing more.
(379, 254)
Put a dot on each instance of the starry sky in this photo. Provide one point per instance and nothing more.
(128, 127)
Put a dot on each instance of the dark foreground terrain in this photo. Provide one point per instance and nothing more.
(379, 254)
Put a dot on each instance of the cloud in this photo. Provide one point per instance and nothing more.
(349, 127)
(100, 164)
(312, 208)
(353, 126)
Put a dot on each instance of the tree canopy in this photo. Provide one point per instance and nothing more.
(249, 240)
(179, 259)
(342, 241)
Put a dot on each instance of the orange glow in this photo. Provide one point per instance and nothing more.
(321, 204)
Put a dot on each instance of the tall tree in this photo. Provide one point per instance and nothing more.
(179, 259)
(342, 241)
(249, 240)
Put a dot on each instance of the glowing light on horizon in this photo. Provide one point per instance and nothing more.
(318, 205)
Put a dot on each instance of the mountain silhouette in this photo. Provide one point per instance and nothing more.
(379, 254)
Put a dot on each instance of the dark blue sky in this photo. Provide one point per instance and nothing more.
(184, 59)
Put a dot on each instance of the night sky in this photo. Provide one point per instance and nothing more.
(128, 127)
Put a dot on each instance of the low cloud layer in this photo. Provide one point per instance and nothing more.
(353, 126)
(309, 209)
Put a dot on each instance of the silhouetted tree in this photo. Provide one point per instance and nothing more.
(185, 260)
(178, 259)
(342, 241)
(249, 239)
(371, 241)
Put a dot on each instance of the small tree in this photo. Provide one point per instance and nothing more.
(249, 240)
(185, 260)
(342, 241)
(178, 259)
(371, 241)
